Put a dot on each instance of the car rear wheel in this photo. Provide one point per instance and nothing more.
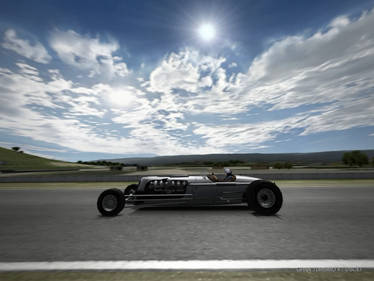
(111, 202)
(265, 198)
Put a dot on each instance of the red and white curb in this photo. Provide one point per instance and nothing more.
(292, 264)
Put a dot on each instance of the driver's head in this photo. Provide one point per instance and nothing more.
(227, 171)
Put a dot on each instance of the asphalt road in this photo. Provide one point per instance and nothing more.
(64, 225)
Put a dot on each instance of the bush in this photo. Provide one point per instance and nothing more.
(260, 166)
(218, 165)
(116, 168)
(102, 163)
(141, 168)
(222, 164)
(355, 158)
(286, 165)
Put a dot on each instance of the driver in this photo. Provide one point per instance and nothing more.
(213, 177)
(229, 175)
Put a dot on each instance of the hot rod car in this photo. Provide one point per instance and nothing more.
(262, 196)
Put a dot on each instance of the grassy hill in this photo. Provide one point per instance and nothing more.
(16, 161)
(312, 158)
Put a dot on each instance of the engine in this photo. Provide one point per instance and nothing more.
(166, 186)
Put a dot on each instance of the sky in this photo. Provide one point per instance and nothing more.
(86, 80)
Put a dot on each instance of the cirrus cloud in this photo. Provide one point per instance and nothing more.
(86, 53)
(23, 47)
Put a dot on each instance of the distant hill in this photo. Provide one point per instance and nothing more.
(318, 158)
(16, 161)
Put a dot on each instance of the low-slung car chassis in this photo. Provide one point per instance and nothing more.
(262, 196)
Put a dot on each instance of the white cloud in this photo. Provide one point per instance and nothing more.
(194, 83)
(124, 97)
(233, 64)
(250, 135)
(186, 70)
(342, 116)
(23, 47)
(23, 90)
(329, 66)
(86, 53)
(20, 92)
(340, 21)
(29, 147)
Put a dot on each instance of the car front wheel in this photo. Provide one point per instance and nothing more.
(111, 202)
(265, 198)
(131, 189)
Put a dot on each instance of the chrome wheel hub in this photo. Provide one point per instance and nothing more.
(266, 198)
(110, 202)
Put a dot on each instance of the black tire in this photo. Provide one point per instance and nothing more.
(131, 189)
(265, 198)
(111, 202)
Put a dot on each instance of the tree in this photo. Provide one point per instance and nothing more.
(355, 158)
(16, 148)
(361, 158)
(347, 158)
(285, 165)
(116, 168)
(288, 165)
(141, 168)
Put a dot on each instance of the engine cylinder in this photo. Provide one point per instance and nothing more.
(166, 187)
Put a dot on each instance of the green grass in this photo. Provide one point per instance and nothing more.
(11, 160)
(96, 172)
(187, 276)
(325, 183)
(67, 185)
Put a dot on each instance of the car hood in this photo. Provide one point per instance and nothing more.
(191, 179)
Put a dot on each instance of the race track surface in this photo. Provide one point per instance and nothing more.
(64, 225)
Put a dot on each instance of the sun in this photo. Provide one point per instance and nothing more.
(207, 31)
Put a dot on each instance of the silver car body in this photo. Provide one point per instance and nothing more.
(189, 190)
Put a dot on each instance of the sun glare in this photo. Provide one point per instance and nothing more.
(207, 32)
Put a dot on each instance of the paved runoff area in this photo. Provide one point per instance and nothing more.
(57, 229)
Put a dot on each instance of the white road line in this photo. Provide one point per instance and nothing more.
(327, 264)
